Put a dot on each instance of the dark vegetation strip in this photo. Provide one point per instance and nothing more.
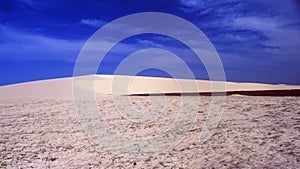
(292, 92)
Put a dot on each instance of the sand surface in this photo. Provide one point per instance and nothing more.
(254, 132)
(39, 126)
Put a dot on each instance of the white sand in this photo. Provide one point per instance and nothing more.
(104, 84)
(255, 132)
(39, 128)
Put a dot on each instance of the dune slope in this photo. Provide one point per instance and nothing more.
(123, 85)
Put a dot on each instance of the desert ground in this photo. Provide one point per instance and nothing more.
(40, 129)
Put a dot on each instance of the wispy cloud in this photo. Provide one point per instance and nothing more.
(191, 3)
(241, 26)
(19, 45)
(16, 44)
(93, 22)
(148, 43)
(258, 33)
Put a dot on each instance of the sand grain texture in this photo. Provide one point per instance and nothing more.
(254, 132)
(39, 127)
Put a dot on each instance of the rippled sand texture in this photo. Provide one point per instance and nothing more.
(253, 132)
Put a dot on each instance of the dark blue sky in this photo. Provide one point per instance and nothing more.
(257, 40)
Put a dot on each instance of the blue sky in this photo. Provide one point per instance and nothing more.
(257, 40)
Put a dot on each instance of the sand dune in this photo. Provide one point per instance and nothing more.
(123, 85)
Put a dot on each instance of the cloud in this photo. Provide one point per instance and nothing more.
(16, 44)
(251, 36)
(191, 3)
(148, 43)
(93, 22)
(272, 34)
(209, 7)
(254, 23)
(19, 45)
(248, 28)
